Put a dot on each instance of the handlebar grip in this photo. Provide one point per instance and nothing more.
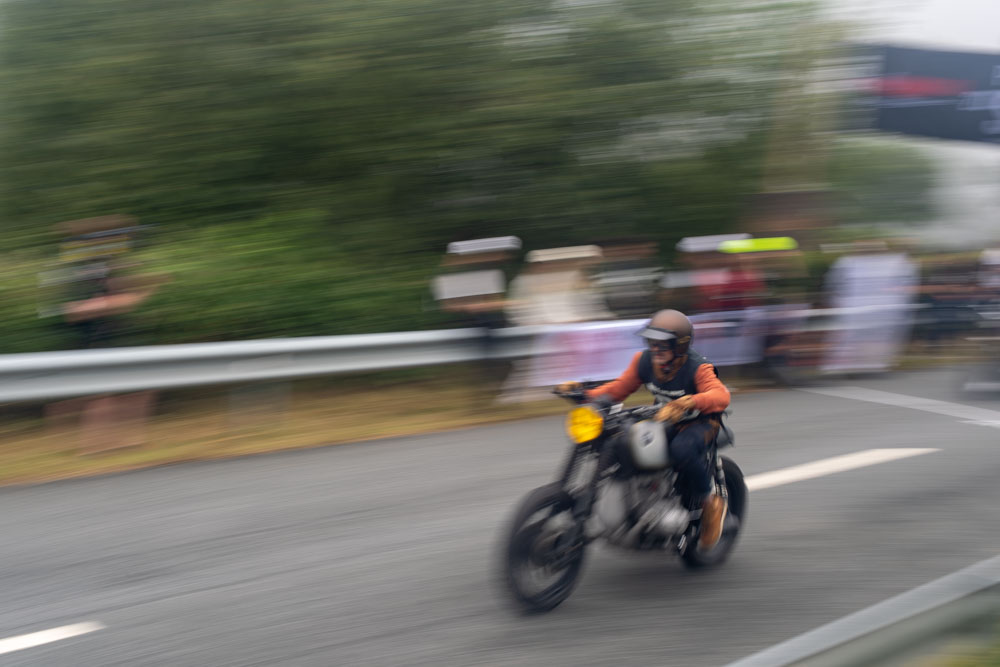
(593, 384)
(575, 396)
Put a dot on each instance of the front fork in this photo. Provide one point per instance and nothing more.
(720, 477)
(583, 503)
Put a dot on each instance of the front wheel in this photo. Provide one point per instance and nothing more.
(542, 561)
(736, 488)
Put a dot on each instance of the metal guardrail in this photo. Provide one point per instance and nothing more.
(53, 375)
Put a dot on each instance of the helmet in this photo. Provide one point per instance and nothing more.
(671, 328)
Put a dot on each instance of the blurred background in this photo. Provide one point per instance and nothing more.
(814, 182)
(819, 196)
(300, 169)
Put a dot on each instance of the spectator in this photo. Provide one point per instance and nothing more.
(101, 293)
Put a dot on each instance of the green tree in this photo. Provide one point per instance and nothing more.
(306, 162)
(881, 180)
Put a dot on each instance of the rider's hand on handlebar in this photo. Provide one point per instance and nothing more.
(674, 410)
(569, 388)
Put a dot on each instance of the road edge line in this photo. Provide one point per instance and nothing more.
(925, 598)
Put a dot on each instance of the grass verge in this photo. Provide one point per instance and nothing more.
(223, 422)
(229, 422)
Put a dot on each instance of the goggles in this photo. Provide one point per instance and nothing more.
(660, 340)
(661, 345)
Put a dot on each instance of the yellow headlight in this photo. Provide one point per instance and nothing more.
(584, 424)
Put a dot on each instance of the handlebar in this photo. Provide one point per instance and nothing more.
(604, 404)
(578, 397)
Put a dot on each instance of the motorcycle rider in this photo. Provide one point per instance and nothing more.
(694, 398)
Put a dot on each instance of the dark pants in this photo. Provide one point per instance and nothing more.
(689, 445)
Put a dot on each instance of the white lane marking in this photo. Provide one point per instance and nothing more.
(864, 623)
(34, 639)
(830, 466)
(968, 413)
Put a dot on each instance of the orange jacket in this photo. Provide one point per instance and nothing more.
(712, 395)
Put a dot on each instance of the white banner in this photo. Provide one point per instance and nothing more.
(730, 338)
(874, 294)
(603, 350)
(585, 351)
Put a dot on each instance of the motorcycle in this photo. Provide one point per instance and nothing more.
(618, 487)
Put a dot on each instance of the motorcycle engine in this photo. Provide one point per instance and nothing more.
(669, 517)
(665, 516)
(610, 508)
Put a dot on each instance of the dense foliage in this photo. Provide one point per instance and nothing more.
(304, 163)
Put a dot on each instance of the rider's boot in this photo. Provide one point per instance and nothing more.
(713, 514)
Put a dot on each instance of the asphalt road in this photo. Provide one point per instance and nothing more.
(384, 553)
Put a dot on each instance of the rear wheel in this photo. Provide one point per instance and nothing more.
(541, 564)
(692, 555)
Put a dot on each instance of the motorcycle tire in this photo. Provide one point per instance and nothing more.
(525, 543)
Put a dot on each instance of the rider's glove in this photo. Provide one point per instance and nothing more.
(569, 388)
(674, 410)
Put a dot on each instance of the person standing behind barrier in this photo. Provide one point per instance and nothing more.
(875, 289)
(471, 285)
(100, 296)
(554, 288)
(742, 285)
(628, 276)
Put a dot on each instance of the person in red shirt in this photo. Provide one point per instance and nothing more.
(742, 286)
(694, 399)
